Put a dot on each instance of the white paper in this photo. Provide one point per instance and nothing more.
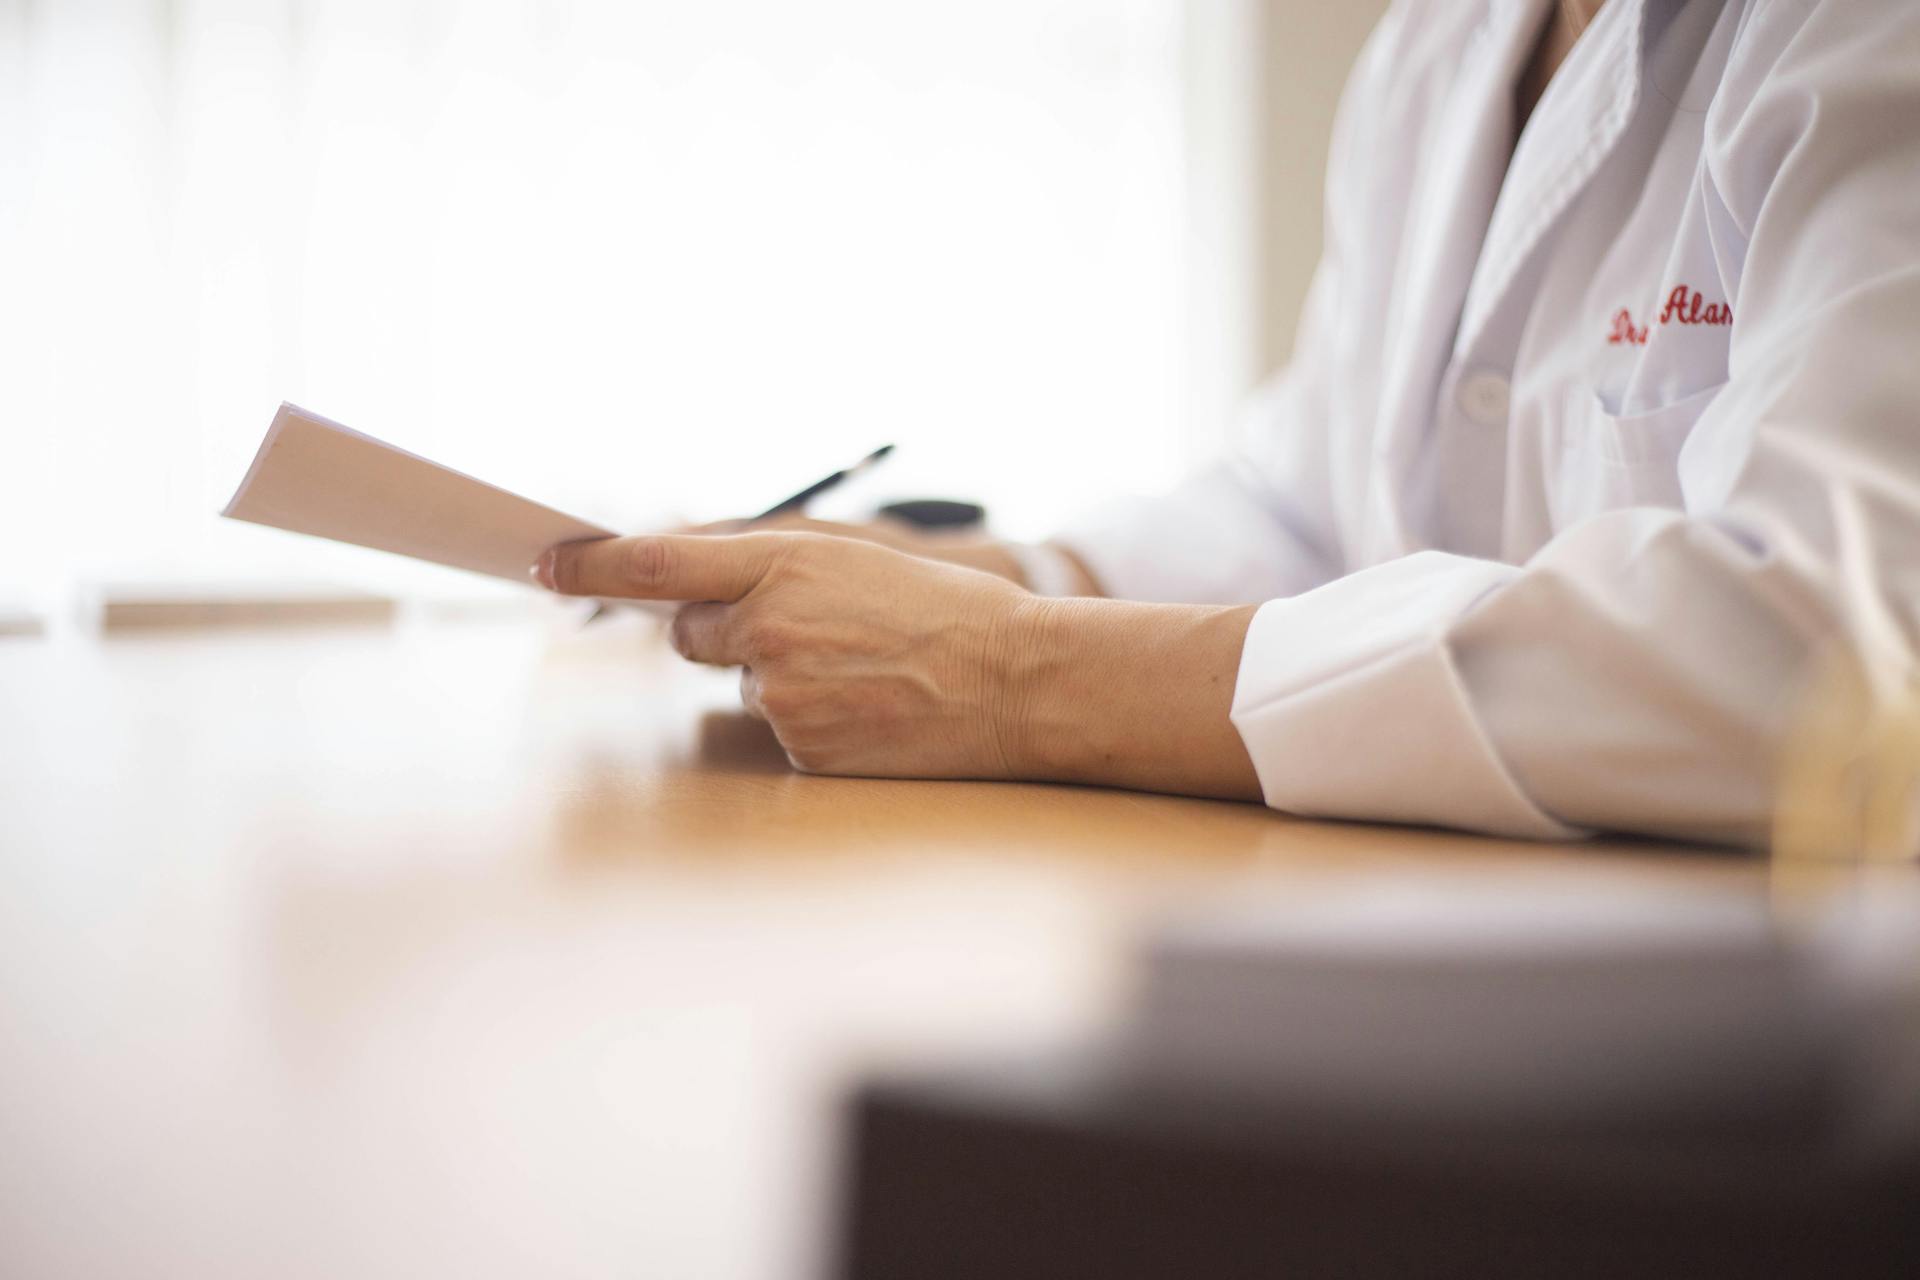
(317, 477)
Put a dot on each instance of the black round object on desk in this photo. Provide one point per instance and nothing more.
(936, 513)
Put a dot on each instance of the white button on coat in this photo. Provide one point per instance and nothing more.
(1699, 266)
(1485, 398)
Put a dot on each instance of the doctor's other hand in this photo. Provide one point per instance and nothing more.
(965, 548)
(864, 660)
(869, 661)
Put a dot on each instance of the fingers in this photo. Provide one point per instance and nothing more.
(708, 633)
(659, 566)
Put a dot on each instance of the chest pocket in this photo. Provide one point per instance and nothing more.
(1605, 461)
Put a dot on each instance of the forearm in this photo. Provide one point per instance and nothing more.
(1125, 694)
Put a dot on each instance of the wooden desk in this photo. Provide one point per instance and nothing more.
(508, 950)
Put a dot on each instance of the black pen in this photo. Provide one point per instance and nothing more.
(797, 501)
(819, 487)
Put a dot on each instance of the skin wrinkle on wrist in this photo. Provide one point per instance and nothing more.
(1015, 677)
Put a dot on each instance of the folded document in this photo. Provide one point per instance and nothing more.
(317, 477)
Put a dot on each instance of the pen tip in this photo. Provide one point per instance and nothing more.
(879, 453)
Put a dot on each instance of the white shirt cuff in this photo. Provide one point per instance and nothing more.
(1350, 707)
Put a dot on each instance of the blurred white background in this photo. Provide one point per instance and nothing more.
(634, 259)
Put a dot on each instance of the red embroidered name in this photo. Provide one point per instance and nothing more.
(1684, 306)
(1624, 330)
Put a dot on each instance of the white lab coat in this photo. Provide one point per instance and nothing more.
(1547, 510)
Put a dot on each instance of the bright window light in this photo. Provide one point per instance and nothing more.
(637, 260)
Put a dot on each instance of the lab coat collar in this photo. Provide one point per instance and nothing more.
(1579, 120)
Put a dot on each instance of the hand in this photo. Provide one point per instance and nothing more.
(864, 660)
(869, 661)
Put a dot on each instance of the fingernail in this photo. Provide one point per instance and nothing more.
(541, 571)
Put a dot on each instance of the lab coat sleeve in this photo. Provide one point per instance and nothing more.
(1252, 525)
(1642, 671)
(1258, 522)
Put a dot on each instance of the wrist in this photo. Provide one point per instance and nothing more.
(1121, 694)
(1025, 647)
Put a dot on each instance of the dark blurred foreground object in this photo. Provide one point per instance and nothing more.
(1455, 1087)
(1058, 1174)
(936, 513)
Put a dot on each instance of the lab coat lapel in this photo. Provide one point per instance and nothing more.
(1578, 122)
(1467, 148)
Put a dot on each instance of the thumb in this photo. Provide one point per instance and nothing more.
(659, 566)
